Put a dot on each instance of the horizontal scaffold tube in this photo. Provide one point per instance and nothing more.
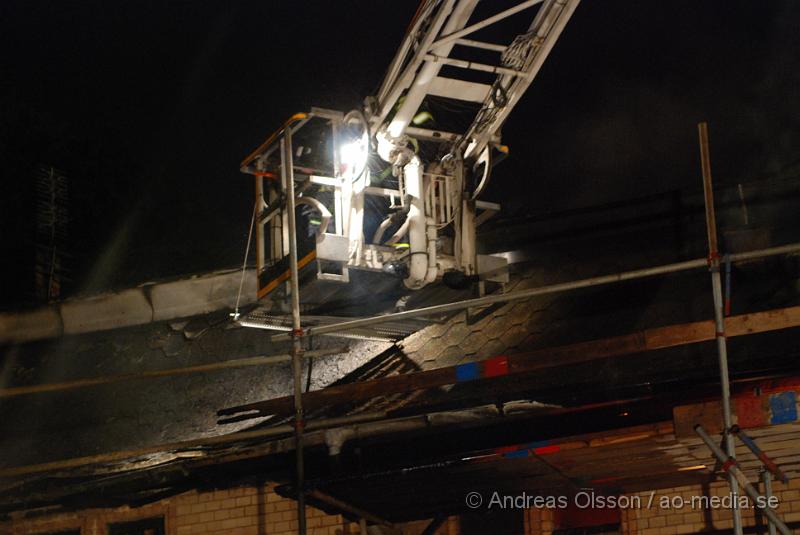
(542, 290)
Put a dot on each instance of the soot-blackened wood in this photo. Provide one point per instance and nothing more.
(630, 344)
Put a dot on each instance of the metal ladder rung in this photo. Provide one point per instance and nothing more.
(459, 89)
(480, 44)
(482, 67)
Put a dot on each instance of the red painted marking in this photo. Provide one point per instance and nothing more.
(780, 385)
(727, 465)
(768, 464)
(507, 449)
(750, 411)
(544, 450)
(496, 366)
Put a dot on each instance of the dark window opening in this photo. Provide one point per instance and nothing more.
(496, 522)
(606, 529)
(147, 526)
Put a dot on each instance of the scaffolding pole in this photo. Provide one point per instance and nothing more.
(719, 315)
(730, 466)
(287, 167)
(766, 479)
(520, 295)
(768, 463)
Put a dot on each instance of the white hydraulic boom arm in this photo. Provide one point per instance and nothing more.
(439, 27)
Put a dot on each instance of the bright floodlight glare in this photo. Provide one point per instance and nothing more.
(354, 155)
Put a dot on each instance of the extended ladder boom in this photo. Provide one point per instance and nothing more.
(437, 33)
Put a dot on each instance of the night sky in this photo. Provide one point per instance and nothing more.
(148, 106)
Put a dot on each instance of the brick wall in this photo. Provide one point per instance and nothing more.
(658, 520)
(539, 521)
(238, 511)
(259, 511)
(682, 516)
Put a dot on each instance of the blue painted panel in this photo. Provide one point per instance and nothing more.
(467, 372)
(784, 407)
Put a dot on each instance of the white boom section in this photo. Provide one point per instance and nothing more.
(421, 83)
(437, 29)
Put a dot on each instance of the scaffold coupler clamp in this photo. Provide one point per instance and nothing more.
(713, 260)
(299, 424)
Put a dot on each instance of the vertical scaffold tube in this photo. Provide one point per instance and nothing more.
(719, 314)
(297, 332)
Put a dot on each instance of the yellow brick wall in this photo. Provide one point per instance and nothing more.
(657, 520)
(238, 511)
(259, 511)
(539, 521)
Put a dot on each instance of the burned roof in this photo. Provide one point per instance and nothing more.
(431, 426)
